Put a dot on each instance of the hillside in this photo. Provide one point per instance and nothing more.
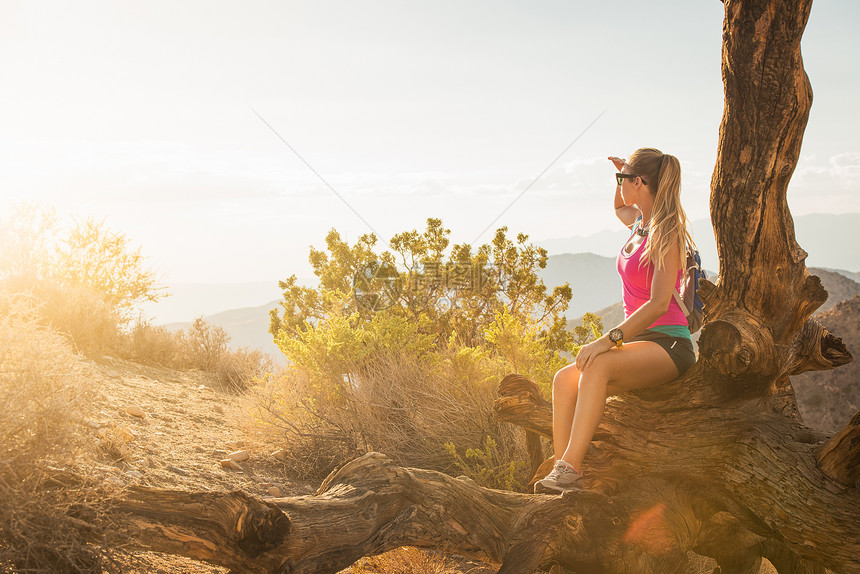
(828, 399)
(188, 301)
(593, 279)
(839, 286)
(247, 327)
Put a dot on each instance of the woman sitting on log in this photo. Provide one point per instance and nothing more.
(652, 345)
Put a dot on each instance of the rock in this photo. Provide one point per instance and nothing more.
(274, 491)
(239, 455)
(135, 411)
(230, 464)
(280, 454)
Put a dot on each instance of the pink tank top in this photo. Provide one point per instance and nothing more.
(636, 286)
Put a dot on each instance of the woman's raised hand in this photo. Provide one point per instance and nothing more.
(619, 162)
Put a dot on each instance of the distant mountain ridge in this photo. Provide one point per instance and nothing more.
(247, 327)
(593, 279)
(824, 236)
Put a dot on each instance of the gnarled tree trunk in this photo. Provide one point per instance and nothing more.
(718, 462)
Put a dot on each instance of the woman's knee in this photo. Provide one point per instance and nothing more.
(566, 380)
(598, 372)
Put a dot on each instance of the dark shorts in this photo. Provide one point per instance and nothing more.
(680, 349)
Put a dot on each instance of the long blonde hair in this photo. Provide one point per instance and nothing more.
(668, 228)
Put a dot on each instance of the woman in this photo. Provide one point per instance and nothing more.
(652, 345)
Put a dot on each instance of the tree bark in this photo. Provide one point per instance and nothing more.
(718, 461)
(371, 505)
(765, 293)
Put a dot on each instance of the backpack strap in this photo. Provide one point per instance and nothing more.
(680, 302)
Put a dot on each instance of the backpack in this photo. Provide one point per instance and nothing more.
(688, 300)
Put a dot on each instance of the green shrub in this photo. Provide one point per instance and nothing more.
(402, 358)
(487, 468)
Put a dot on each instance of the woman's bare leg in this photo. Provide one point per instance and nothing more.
(638, 365)
(565, 388)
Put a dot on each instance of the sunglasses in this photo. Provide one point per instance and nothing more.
(620, 177)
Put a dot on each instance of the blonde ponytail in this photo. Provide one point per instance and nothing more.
(668, 229)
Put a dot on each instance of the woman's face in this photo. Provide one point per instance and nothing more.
(628, 189)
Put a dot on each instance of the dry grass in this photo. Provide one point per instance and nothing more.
(202, 347)
(404, 560)
(397, 406)
(44, 391)
(411, 560)
(114, 442)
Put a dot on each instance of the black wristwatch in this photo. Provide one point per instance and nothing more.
(617, 337)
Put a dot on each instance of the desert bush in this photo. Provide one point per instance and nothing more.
(45, 391)
(406, 403)
(238, 369)
(81, 315)
(445, 292)
(486, 467)
(404, 358)
(203, 345)
(87, 279)
(151, 344)
(92, 255)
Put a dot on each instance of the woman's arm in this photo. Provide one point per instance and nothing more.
(662, 286)
(628, 214)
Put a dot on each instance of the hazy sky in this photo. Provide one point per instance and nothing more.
(144, 113)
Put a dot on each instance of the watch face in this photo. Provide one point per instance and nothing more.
(615, 335)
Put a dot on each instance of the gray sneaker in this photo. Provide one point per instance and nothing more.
(561, 478)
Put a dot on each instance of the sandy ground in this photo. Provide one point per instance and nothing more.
(188, 427)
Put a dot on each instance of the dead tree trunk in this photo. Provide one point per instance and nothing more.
(718, 462)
